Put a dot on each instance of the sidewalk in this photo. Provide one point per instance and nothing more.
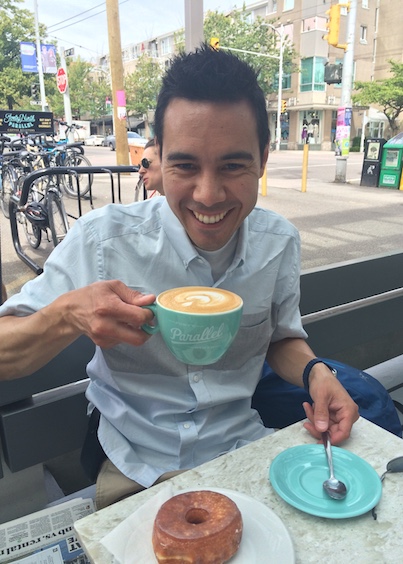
(337, 222)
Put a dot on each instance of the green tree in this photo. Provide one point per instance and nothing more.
(88, 91)
(142, 85)
(237, 32)
(386, 94)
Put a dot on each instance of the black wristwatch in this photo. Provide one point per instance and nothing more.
(308, 368)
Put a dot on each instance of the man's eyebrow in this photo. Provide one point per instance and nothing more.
(235, 155)
(243, 155)
(179, 156)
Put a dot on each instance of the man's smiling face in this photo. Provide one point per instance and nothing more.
(211, 167)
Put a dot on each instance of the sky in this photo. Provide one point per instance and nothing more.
(82, 24)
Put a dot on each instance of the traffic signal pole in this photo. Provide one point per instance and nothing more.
(346, 88)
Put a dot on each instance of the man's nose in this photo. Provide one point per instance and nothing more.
(209, 190)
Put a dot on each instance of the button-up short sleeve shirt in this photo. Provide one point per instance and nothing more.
(159, 414)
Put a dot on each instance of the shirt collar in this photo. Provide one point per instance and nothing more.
(180, 241)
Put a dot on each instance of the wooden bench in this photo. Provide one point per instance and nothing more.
(44, 415)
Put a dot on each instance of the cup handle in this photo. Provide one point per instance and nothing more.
(151, 329)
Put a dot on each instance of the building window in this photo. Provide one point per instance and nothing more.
(271, 7)
(314, 23)
(363, 34)
(288, 31)
(365, 4)
(286, 81)
(374, 129)
(313, 74)
(166, 46)
(288, 5)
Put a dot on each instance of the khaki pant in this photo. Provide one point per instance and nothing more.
(113, 486)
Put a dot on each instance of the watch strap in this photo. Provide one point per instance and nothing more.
(308, 368)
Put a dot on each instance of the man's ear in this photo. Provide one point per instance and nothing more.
(264, 160)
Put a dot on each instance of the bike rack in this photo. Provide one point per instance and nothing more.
(19, 200)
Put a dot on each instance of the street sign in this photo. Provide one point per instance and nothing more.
(69, 52)
(61, 80)
(35, 102)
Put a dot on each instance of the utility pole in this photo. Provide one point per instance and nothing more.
(345, 111)
(39, 59)
(193, 24)
(118, 93)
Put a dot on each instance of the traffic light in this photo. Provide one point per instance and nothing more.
(333, 25)
(215, 43)
(34, 91)
(283, 106)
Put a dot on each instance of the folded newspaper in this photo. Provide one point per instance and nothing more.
(47, 536)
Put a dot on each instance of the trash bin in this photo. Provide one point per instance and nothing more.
(371, 166)
(391, 167)
(136, 154)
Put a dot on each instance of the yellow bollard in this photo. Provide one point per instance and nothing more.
(264, 181)
(305, 167)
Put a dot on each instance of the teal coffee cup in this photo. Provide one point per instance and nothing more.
(197, 323)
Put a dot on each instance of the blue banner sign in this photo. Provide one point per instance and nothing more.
(28, 57)
(29, 60)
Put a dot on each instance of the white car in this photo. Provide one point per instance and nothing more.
(94, 140)
(133, 138)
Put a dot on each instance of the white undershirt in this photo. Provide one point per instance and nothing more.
(221, 259)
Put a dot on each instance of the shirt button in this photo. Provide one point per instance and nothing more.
(196, 378)
(186, 425)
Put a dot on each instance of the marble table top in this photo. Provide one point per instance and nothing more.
(315, 539)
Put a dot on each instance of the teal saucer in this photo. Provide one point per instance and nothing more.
(297, 475)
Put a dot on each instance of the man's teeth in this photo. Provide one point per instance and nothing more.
(210, 218)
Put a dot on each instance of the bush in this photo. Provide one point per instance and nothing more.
(355, 145)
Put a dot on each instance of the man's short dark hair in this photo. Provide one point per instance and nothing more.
(150, 143)
(217, 76)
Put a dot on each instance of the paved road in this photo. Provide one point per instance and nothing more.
(337, 222)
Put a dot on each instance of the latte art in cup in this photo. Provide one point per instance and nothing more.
(197, 323)
(199, 299)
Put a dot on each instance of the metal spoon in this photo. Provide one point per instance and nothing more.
(394, 465)
(333, 487)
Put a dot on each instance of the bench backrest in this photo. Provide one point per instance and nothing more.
(366, 333)
(44, 415)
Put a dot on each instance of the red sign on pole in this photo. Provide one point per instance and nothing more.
(61, 80)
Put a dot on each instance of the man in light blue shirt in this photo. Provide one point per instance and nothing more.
(159, 416)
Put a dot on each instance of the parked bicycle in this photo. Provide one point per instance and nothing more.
(40, 210)
(51, 153)
(11, 167)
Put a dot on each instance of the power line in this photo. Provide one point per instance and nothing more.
(70, 42)
(83, 19)
(76, 16)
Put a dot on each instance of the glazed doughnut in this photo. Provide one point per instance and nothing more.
(200, 527)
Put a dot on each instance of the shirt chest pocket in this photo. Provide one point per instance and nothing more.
(252, 340)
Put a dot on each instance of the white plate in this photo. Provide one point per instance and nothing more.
(264, 538)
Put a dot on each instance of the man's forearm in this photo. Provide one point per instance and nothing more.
(28, 343)
(288, 359)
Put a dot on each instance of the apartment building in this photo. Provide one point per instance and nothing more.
(311, 102)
